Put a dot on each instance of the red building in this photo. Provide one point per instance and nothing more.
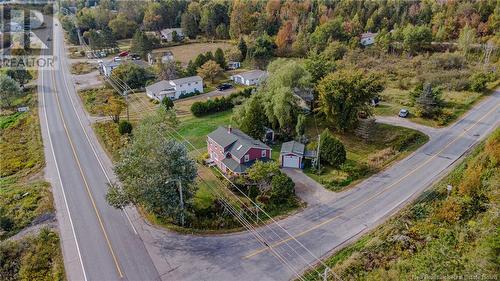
(233, 151)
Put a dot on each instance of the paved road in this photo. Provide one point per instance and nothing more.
(99, 242)
(316, 231)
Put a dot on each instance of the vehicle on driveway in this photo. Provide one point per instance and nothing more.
(403, 113)
(224, 86)
(135, 56)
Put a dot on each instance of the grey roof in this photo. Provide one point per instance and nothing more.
(187, 79)
(113, 63)
(236, 142)
(293, 147)
(252, 74)
(159, 86)
(234, 166)
(167, 31)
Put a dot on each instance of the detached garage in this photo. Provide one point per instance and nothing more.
(292, 154)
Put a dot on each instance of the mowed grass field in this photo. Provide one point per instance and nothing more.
(184, 53)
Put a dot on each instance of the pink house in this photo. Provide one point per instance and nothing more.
(233, 151)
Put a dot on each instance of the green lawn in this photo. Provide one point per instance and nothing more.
(388, 144)
(196, 129)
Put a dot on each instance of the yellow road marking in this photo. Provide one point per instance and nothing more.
(85, 180)
(371, 197)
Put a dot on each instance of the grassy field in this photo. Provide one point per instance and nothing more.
(388, 144)
(401, 73)
(184, 53)
(24, 197)
(79, 68)
(437, 236)
(94, 98)
(456, 103)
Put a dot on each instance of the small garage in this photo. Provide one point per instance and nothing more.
(292, 154)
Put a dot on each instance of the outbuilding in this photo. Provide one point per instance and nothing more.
(249, 78)
(292, 154)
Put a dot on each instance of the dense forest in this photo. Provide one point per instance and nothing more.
(294, 27)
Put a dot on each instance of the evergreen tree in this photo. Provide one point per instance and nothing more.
(331, 150)
(242, 46)
(219, 58)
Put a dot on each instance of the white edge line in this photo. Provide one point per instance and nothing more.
(60, 179)
(91, 145)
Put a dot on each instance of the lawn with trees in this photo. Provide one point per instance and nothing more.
(438, 234)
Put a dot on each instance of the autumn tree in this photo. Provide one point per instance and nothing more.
(153, 19)
(466, 38)
(284, 39)
(122, 27)
(209, 70)
(113, 108)
(345, 93)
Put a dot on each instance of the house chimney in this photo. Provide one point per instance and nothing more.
(229, 130)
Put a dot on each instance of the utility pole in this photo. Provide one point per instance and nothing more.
(179, 185)
(317, 153)
(182, 201)
(126, 101)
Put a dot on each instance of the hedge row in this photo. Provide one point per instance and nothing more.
(201, 108)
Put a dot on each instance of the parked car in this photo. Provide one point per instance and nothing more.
(135, 57)
(224, 86)
(117, 59)
(123, 54)
(403, 113)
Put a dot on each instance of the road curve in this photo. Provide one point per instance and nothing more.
(99, 242)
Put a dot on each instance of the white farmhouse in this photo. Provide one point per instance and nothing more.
(167, 34)
(367, 38)
(173, 89)
(249, 78)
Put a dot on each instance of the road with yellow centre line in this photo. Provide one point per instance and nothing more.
(108, 247)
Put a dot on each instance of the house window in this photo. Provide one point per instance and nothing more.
(183, 92)
(264, 153)
(247, 158)
(189, 84)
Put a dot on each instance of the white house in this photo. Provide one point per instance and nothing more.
(249, 78)
(107, 67)
(163, 56)
(367, 38)
(167, 34)
(233, 65)
(173, 89)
